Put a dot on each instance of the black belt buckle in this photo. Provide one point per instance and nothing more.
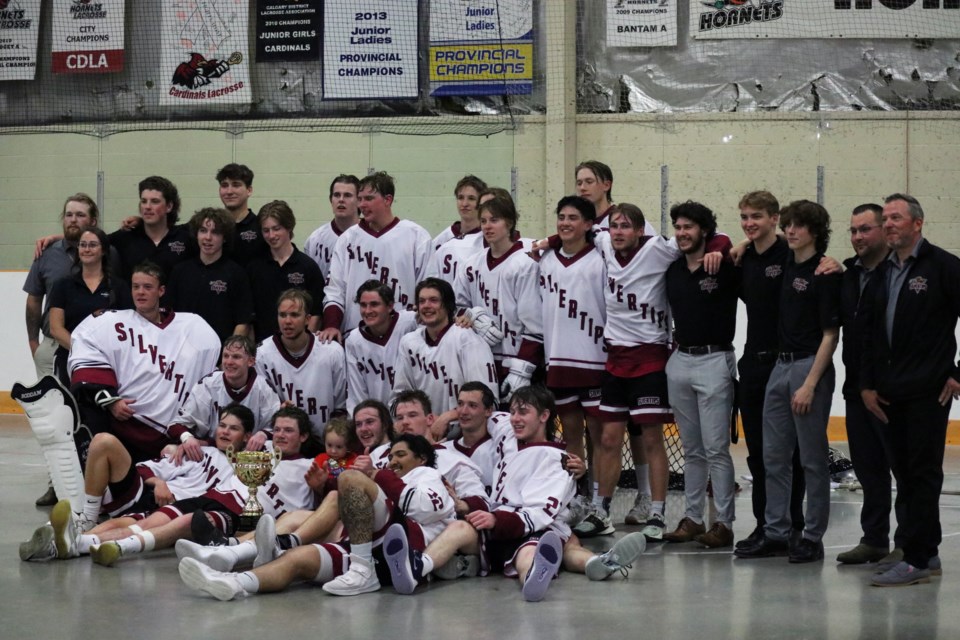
(792, 356)
(705, 350)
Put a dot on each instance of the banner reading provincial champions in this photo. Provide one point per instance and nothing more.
(718, 19)
(370, 49)
(481, 47)
(642, 23)
(204, 52)
(19, 29)
(88, 36)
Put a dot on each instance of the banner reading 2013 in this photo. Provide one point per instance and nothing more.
(370, 49)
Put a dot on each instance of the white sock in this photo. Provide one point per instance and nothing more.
(597, 500)
(245, 551)
(149, 541)
(130, 545)
(656, 508)
(596, 489)
(91, 508)
(642, 471)
(248, 581)
(427, 563)
(364, 551)
(86, 541)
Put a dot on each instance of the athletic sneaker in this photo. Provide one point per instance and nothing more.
(405, 564)
(360, 578)
(546, 563)
(619, 557)
(459, 566)
(578, 509)
(65, 533)
(640, 511)
(200, 577)
(106, 554)
(219, 558)
(266, 539)
(40, 547)
(654, 527)
(204, 532)
(597, 523)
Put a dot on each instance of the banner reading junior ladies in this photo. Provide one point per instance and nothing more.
(481, 47)
(19, 29)
(87, 36)
(370, 49)
(204, 52)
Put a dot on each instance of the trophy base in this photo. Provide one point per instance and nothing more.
(248, 522)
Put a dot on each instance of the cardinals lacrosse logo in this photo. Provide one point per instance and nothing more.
(199, 71)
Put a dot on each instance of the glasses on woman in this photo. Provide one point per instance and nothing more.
(88, 245)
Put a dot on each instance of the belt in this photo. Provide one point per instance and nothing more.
(763, 356)
(793, 356)
(705, 350)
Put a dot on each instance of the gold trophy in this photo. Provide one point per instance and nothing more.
(253, 468)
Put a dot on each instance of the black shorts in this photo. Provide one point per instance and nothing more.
(636, 401)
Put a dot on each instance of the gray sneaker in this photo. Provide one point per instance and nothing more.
(641, 510)
(597, 523)
(619, 557)
(901, 575)
(266, 540)
(459, 566)
(40, 547)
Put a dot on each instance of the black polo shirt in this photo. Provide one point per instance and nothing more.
(77, 301)
(704, 306)
(762, 277)
(808, 304)
(218, 292)
(268, 279)
(135, 246)
(248, 243)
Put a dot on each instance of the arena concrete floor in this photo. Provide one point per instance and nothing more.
(674, 591)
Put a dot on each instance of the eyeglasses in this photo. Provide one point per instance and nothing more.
(88, 245)
(863, 229)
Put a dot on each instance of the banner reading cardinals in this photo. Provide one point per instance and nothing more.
(19, 28)
(204, 52)
(87, 36)
(288, 31)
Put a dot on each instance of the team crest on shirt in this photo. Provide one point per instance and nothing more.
(296, 278)
(800, 285)
(248, 236)
(918, 285)
(709, 285)
(218, 286)
(177, 247)
(773, 271)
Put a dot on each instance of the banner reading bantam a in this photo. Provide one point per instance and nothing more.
(204, 52)
(87, 36)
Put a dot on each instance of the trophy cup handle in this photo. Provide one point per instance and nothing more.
(231, 455)
(275, 459)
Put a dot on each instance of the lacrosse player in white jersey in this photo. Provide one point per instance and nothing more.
(343, 201)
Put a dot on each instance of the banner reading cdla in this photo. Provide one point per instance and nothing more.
(204, 52)
(87, 36)
(481, 47)
(719, 19)
(19, 29)
(642, 23)
(370, 49)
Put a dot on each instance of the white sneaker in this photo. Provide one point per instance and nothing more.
(106, 554)
(219, 558)
(360, 578)
(653, 528)
(40, 547)
(596, 523)
(546, 563)
(459, 566)
(640, 511)
(266, 539)
(200, 577)
(65, 532)
(578, 509)
(619, 557)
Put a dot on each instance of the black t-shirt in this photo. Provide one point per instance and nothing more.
(248, 243)
(808, 304)
(760, 291)
(704, 306)
(135, 246)
(218, 292)
(77, 301)
(268, 279)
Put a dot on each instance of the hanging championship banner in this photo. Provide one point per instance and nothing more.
(204, 52)
(642, 23)
(87, 36)
(911, 19)
(481, 47)
(19, 28)
(370, 49)
(288, 31)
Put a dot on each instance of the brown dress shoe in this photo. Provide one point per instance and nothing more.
(686, 531)
(718, 536)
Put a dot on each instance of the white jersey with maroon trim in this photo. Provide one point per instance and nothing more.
(154, 365)
(315, 382)
(574, 313)
(319, 246)
(201, 412)
(489, 452)
(448, 233)
(380, 456)
(371, 360)
(449, 258)
(507, 287)
(190, 478)
(396, 256)
(461, 472)
(426, 500)
(439, 368)
(535, 485)
(636, 292)
(287, 489)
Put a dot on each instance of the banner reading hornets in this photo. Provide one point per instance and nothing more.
(87, 36)
(204, 52)
(19, 28)
(481, 47)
